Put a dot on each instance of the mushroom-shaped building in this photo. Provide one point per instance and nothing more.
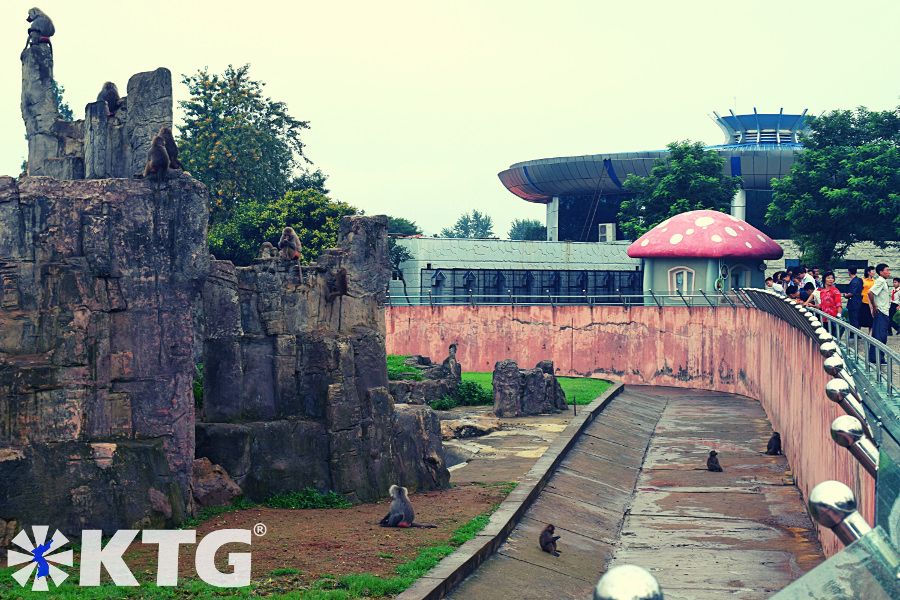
(703, 249)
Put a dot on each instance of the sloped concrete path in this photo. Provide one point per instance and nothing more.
(634, 490)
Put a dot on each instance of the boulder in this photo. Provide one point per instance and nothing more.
(439, 380)
(469, 426)
(211, 485)
(519, 392)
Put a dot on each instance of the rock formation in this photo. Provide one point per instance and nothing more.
(439, 380)
(519, 392)
(295, 386)
(96, 349)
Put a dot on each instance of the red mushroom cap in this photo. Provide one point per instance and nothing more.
(705, 234)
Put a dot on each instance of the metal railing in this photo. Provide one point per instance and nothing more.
(718, 299)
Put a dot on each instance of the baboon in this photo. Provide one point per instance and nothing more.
(110, 95)
(157, 160)
(400, 513)
(171, 148)
(337, 286)
(40, 30)
(548, 540)
(289, 244)
(267, 250)
(712, 463)
(774, 447)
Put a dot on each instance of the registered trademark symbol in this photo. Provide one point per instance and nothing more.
(259, 529)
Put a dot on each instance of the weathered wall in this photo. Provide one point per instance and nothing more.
(96, 349)
(740, 351)
(295, 382)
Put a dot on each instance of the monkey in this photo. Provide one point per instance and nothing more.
(774, 447)
(157, 160)
(400, 513)
(109, 94)
(712, 463)
(289, 244)
(171, 148)
(40, 30)
(337, 286)
(548, 540)
(267, 250)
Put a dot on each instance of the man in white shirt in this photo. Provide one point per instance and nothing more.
(880, 305)
(895, 303)
(776, 283)
(807, 278)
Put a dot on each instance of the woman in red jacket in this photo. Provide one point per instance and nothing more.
(830, 297)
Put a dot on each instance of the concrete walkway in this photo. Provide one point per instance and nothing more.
(634, 489)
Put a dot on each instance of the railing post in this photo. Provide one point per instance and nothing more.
(512, 300)
(551, 299)
(707, 297)
(471, 299)
(430, 300)
(586, 299)
(658, 303)
(621, 299)
(833, 505)
(683, 299)
(389, 299)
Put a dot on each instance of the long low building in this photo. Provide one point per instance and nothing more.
(583, 193)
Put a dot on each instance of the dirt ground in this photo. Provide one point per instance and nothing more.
(302, 546)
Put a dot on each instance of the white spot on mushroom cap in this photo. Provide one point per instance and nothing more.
(733, 218)
(731, 231)
(748, 244)
(741, 227)
(704, 221)
(664, 229)
(689, 231)
(676, 238)
(716, 238)
(761, 238)
(645, 242)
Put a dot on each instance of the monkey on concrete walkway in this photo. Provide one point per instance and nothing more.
(548, 540)
(40, 30)
(712, 463)
(774, 446)
(400, 513)
(109, 94)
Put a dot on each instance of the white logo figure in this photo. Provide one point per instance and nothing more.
(39, 556)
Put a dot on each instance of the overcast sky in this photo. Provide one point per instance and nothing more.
(416, 106)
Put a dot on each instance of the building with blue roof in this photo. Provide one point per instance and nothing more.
(583, 193)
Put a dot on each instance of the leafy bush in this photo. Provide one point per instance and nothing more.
(308, 498)
(198, 388)
(474, 394)
(445, 403)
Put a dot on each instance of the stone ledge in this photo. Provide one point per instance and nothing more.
(451, 571)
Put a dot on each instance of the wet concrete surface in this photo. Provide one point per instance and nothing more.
(635, 490)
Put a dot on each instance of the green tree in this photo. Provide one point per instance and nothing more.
(397, 255)
(401, 226)
(64, 110)
(313, 216)
(527, 229)
(310, 180)
(844, 187)
(689, 178)
(245, 147)
(475, 225)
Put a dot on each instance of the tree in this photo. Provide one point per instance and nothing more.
(844, 187)
(475, 225)
(64, 110)
(314, 217)
(397, 255)
(243, 146)
(689, 178)
(401, 226)
(310, 180)
(527, 229)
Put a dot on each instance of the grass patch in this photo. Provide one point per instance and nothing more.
(396, 369)
(308, 498)
(583, 389)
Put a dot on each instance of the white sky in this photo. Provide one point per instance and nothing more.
(416, 106)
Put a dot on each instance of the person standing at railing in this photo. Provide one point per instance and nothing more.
(866, 312)
(895, 301)
(830, 299)
(776, 283)
(854, 297)
(880, 305)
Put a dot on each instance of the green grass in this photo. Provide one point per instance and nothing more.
(396, 368)
(348, 587)
(583, 389)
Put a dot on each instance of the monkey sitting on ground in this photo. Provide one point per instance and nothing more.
(110, 95)
(267, 250)
(400, 513)
(712, 463)
(548, 540)
(40, 30)
(289, 244)
(171, 148)
(774, 447)
(157, 161)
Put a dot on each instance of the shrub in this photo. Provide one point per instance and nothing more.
(473, 394)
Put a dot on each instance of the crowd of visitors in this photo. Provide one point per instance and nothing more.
(872, 299)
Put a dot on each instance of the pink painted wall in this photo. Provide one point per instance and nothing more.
(742, 351)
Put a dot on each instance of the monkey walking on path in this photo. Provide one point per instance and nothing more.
(712, 463)
(548, 540)
(774, 446)
(400, 513)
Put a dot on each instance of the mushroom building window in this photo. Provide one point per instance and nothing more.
(681, 279)
(740, 277)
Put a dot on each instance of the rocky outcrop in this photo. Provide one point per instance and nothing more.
(211, 485)
(99, 146)
(96, 405)
(519, 392)
(296, 385)
(439, 381)
(469, 426)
